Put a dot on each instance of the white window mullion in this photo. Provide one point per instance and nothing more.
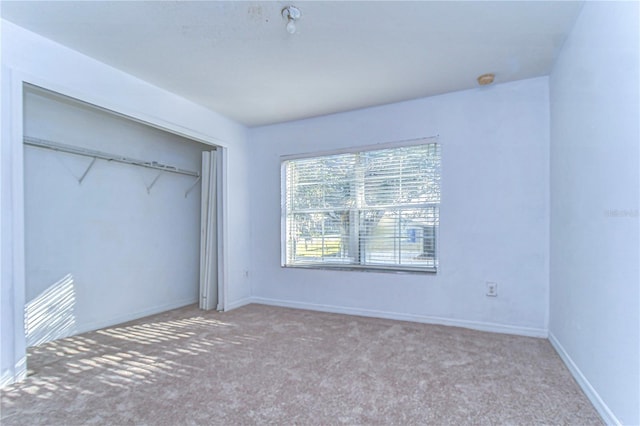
(358, 185)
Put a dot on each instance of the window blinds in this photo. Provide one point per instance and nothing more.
(372, 209)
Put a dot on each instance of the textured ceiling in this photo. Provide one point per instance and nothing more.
(236, 58)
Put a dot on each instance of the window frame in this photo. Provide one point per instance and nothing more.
(398, 268)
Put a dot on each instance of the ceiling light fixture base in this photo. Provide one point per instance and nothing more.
(291, 14)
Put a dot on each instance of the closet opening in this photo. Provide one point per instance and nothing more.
(122, 218)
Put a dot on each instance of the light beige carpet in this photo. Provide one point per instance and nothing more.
(261, 364)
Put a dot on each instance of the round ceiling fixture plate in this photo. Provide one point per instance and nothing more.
(486, 79)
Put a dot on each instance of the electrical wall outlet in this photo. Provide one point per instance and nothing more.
(492, 289)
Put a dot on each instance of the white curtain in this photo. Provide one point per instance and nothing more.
(208, 234)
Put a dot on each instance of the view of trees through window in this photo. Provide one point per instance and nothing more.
(377, 208)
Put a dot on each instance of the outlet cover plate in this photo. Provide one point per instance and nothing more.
(492, 289)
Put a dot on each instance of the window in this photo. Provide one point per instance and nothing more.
(373, 209)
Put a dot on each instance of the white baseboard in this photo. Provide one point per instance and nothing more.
(602, 408)
(12, 376)
(238, 303)
(97, 325)
(475, 325)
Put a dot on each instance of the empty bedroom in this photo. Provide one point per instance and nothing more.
(320, 212)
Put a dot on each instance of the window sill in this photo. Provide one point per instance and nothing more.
(365, 268)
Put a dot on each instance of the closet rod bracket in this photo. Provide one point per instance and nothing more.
(192, 186)
(86, 172)
(153, 183)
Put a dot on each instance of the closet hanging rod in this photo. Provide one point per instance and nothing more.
(42, 143)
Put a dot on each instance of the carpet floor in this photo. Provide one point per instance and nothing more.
(268, 365)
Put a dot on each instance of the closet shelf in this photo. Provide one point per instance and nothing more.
(55, 146)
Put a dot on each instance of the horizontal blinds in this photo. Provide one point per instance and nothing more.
(402, 176)
(377, 207)
(319, 183)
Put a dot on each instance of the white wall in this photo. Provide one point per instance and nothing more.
(27, 56)
(594, 273)
(127, 252)
(494, 211)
